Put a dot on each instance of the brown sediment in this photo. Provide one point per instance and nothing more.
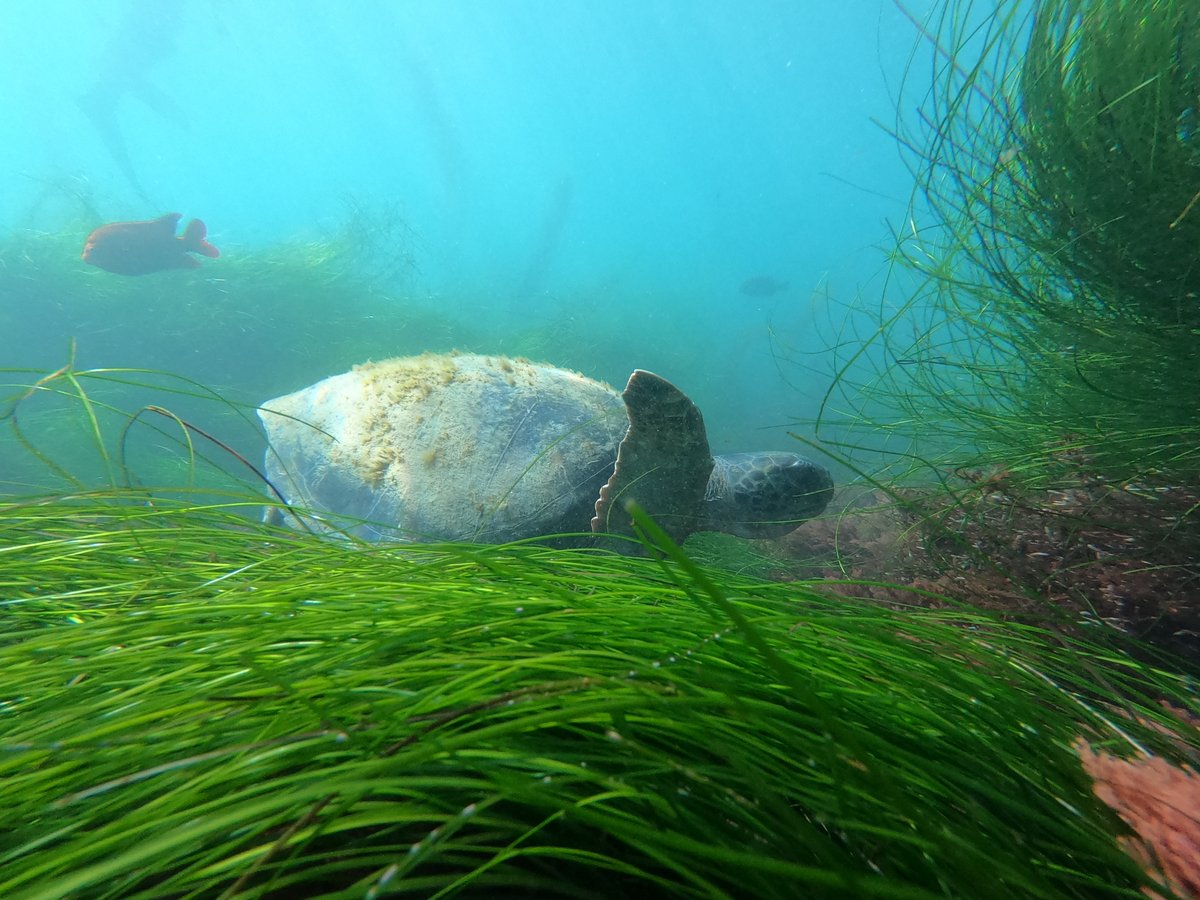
(1127, 554)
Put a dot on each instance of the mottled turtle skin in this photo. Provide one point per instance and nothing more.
(461, 447)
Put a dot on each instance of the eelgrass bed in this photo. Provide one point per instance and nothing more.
(1046, 271)
(195, 705)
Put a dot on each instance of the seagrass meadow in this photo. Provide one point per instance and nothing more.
(197, 705)
(1048, 255)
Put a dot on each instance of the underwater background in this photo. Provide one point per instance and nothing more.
(697, 188)
(946, 248)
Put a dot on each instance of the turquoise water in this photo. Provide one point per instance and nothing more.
(591, 184)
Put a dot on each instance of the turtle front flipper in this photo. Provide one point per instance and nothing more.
(663, 461)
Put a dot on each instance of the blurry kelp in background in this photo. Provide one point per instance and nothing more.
(124, 74)
(1054, 234)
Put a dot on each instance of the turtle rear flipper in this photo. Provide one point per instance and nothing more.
(663, 461)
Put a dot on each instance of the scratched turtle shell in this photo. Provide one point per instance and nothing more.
(446, 447)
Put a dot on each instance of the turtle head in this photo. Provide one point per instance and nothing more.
(765, 494)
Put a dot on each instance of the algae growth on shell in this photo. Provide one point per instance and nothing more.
(454, 446)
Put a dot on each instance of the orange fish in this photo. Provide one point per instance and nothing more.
(139, 248)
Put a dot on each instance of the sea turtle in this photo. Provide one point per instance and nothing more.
(491, 449)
